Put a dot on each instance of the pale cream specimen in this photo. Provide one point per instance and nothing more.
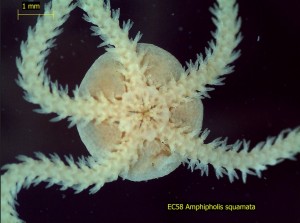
(137, 110)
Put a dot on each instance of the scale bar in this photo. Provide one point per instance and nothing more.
(33, 14)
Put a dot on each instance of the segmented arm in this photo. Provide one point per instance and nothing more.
(207, 71)
(227, 159)
(106, 23)
(78, 175)
(34, 80)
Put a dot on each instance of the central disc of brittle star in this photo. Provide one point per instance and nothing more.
(144, 113)
(140, 114)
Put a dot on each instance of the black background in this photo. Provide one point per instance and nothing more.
(260, 99)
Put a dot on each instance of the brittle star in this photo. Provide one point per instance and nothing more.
(137, 110)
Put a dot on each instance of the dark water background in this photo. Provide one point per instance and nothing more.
(260, 99)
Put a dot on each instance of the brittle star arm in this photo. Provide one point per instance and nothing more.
(106, 23)
(37, 85)
(207, 71)
(78, 175)
(227, 159)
